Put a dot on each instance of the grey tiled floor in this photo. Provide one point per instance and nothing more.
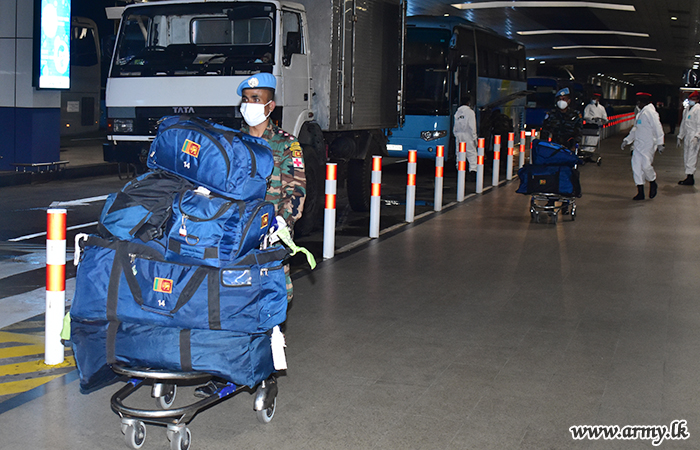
(475, 329)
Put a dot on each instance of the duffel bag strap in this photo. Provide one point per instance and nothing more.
(185, 351)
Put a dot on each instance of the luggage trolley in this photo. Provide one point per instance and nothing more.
(590, 143)
(551, 181)
(164, 390)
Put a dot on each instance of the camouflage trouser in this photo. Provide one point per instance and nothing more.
(288, 279)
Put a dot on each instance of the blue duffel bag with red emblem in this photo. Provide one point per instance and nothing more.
(223, 160)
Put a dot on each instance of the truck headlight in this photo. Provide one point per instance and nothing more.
(123, 125)
(432, 135)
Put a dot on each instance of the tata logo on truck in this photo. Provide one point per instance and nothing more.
(183, 110)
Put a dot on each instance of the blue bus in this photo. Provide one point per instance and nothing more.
(446, 60)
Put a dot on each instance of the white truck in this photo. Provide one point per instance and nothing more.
(337, 63)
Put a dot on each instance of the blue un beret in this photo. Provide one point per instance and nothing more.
(258, 81)
(564, 91)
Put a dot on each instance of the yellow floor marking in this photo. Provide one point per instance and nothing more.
(23, 338)
(17, 387)
(32, 366)
(22, 350)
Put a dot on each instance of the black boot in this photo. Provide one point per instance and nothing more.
(640, 193)
(689, 181)
(653, 187)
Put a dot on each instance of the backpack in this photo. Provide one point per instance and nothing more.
(141, 208)
(212, 230)
(223, 160)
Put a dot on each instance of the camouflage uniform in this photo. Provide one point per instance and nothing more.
(287, 186)
(563, 126)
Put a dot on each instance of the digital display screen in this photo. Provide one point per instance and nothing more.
(54, 44)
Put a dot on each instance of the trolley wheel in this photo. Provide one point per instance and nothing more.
(265, 416)
(180, 439)
(573, 213)
(555, 218)
(599, 161)
(134, 433)
(168, 398)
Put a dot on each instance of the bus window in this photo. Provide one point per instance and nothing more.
(83, 48)
(483, 63)
(503, 71)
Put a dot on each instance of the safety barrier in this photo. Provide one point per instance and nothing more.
(509, 158)
(329, 211)
(480, 166)
(439, 171)
(54, 352)
(617, 123)
(375, 199)
(461, 170)
(496, 160)
(411, 185)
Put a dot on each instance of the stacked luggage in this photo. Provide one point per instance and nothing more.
(178, 278)
(552, 180)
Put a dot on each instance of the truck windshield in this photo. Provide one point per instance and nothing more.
(426, 71)
(195, 39)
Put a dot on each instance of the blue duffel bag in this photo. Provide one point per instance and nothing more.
(214, 231)
(243, 359)
(223, 160)
(131, 282)
(550, 154)
(560, 180)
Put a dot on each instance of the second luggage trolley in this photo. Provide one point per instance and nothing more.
(552, 181)
(590, 143)
(164, 389)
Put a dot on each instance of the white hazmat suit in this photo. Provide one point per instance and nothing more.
(595, 112)
(689, 133)
(647, 134)
(465, 131)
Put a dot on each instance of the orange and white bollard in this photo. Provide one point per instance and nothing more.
(439, 173)
(461, 170)
(55, 286)
(329, 212)
(480, 166)
(375, 199)
(411, 185)
(509, 158)
(521, 149)
(533, 136)
(496, 160)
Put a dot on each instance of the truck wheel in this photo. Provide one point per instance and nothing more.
(315, 184)
(359, 183)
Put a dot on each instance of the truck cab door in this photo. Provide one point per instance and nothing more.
(295, 71)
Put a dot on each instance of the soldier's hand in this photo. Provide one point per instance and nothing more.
(622, 147)
(679, 142)
(660, 148)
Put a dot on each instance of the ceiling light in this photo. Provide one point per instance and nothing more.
(544, 4)
(618, 57)
(531, 59)
(674, 18)
(603, 32)
(615, 47)
(541, 62)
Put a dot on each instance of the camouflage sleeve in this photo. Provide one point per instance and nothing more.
(293, 183)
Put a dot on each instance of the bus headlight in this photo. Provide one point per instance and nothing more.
(432, 135)
(123, 125)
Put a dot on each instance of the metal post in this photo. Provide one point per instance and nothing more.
(533, 136)
(480, 166)
(509, 159)
(496, 160)
(329, 212)
(411, 185)
(54, 351)
(375, 199)
(439, 171)
(461, 170)
(521, 149)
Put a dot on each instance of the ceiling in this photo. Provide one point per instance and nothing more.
(660, 58)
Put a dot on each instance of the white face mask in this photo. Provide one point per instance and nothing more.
(691, 102)
(562, 104)
(254, 113)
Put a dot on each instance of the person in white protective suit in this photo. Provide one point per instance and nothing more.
(465, 131)
(595, 112)
(647, 135)
(689, 137)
